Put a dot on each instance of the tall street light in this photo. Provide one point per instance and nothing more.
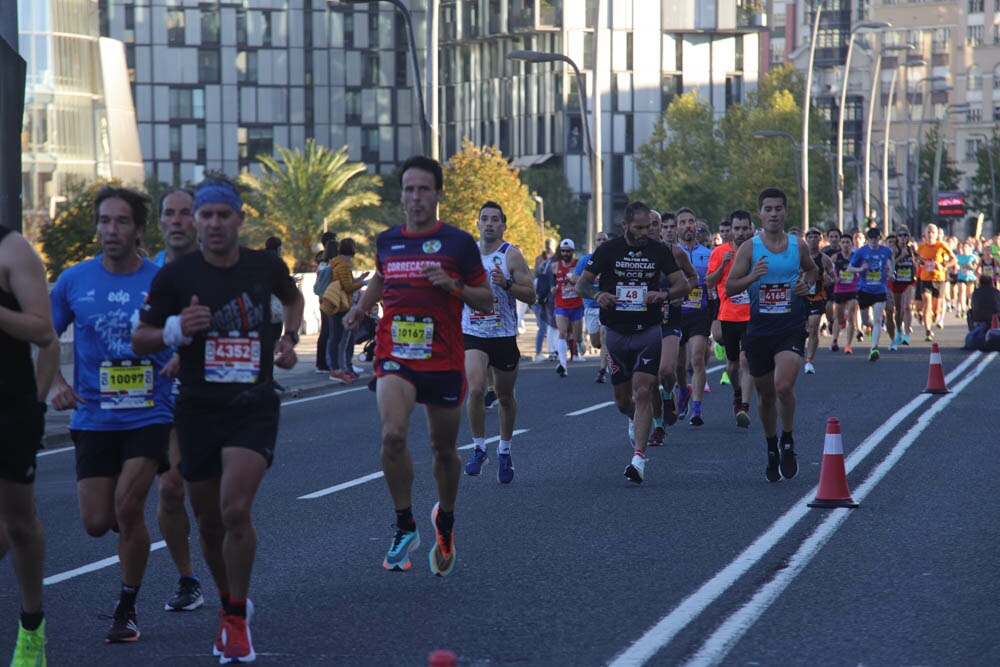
(594, 220)
(909, 203)
(889, 105)
(428, 133)
(993, 177)
(805, 121)
(871, 117)
(858, 27)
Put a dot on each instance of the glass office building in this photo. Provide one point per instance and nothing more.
(79, 122)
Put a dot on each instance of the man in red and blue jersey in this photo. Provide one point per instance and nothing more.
(425, 271)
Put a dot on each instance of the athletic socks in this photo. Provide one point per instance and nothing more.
(126, 599)
(480, 444)
(404, 520)
(31, 621)
(445, 520)
(504, 447)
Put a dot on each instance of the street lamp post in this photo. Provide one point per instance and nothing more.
(594, 220)
(863, 25)
(805, 121)
(993, 177)
(959, 107)
(909, 202)
(885, 152)
(871, 117)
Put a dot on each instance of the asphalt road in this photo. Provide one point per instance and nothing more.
(704, 563)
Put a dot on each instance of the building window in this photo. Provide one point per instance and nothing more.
(352, 106)
(370, 69)
(401, 67)
(254, 141)
(628, 51)
(975, 6)
(672, 85)
(208, 66)
(629, 133)
(971, 148)
(738, 59)
(974, 115)
(175, 27)
(246, 67)
(266, 19)
(996, 112)
(369, 144)
(175, 143)
(187, 104)
(734, 89)
(588, 51)
(974, 36)
(129, 17)
(617, 173)
(201, 141)
(974, 79)
(939, 40)
(241, 27)
(210, 25)
(996, 81)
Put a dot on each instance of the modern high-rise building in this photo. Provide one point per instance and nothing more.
(216, 83)
(79, 122)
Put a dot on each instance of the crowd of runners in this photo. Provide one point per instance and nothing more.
(174, 359)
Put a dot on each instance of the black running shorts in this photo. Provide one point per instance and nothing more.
(22, 425)
(633, 353)
(103, 453)
(502, 351)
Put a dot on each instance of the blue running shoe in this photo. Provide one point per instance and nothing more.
(505, 469)
(442, 556)
(683, 400)
(475, 464)
(398, 556)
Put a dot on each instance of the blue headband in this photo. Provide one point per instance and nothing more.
(217, 192)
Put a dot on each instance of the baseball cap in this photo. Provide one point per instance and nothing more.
(567, 243)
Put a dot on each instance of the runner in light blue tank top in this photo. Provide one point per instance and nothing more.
(774, 308)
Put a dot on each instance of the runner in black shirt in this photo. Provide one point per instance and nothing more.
(215, 307)
(630, 268)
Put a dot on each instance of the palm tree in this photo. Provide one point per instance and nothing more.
(300, 192)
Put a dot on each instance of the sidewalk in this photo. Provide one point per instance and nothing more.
(303, 380)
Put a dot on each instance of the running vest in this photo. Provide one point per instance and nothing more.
(17, 375)
(566, 296)
(774, 309)
(818, 291)
(847, 281)
(501, 322)
(904, 266)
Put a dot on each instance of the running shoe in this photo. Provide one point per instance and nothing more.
(868, 332)
(720, 352)
(442, 556)
(636, 470)
(860, 336)
(928, 337)
(322, 370)
(505, 468)
(789, 465)
(30, 648)
(742, 419)
(906, 339)
(341, 376)
(809, 368)
(352, 376)
(725, 378)
(656, 437)
(561, 371)
(398, 556)
(490, 399)
(772, 473)
(124, 627)
(475, 464)
(848, 350)
(898, 340)
(238, 646)
(631, 432)
(940, 323)
(696, 419)
(893, 346)
(669, 411)
(539, 358)
(601, 374)
(873, 355)
(835, 347)
(220, 640)
(683, 401)
(188, 596)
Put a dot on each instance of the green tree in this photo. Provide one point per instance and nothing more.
(949, 180)
(299, 190)
(984, 181)
(477, 174)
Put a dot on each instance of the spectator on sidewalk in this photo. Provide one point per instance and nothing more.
(341, 344)
(323, 278)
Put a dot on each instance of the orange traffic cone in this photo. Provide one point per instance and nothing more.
(442, 658)
(833, 491)
(935, 374)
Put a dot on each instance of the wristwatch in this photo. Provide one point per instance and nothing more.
(509, 284)
(294, 335)
(459, 286)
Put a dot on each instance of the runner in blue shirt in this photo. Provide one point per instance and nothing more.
(123, 408)
(874, 264)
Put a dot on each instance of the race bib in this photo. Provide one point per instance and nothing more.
(232, 359)
(568, 290)
(630, 298)
(904, 274)
(693, 300)
(873, 277)
(490, 319)
(929, 264)
(846, 276)
(774, 299)
(126, 384)
(741, 299)
(412, 337)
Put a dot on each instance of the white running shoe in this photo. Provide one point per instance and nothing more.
(809, 368)
(636, 470)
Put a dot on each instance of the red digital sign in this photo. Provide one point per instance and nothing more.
(951, 203)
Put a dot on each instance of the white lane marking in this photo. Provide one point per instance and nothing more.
(590, 409)
(93, 567)
(50, 452)
(664, 631)
(319, 396)
(379, 475)
(718, 645)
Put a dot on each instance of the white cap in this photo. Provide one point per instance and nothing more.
(567, 243)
